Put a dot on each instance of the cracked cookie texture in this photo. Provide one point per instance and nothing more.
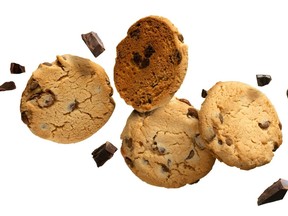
(151, 63)
(162, 147)
(239, 125)
(68, 100)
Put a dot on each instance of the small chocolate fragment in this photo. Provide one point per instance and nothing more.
(263, 79)
(7, 86)
(204, 93)
(274, 192)
(103, 153)
(94, 43)
(16, 68)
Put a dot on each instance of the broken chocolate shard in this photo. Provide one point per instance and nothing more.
(103, 153)
(16, 68)
(7, 86)
(274, 192)
(204, 93)
(94, 43)
(263, 79)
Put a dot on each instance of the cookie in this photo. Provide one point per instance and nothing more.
(68, 100)
(151, 63)
(163, 147)
(239, 125)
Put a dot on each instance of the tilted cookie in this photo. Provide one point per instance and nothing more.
(68, 100)
(163, 147)
(240, 125)
(151, 63)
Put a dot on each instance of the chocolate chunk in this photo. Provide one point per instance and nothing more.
(149, 50)
(192, 112)
(94, 43)
(191, 155)
(176, 57)
(263, 79)
(204, 93)
(264, 125)
(7, 86)
(103, 153)
(16, 68)
(274, 192)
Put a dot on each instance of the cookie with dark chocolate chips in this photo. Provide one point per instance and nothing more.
(151, 63)
(68, 100)
(239, 125)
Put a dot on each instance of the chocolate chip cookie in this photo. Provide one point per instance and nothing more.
(163, 147)
(151, 63)
(68, 100)
(240, 125)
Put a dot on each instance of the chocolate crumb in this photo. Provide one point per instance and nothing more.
(103, 153)
(94, 43)
(274, 192)
(263, 79)
(7, 86)
(204, 93)
(16, 68)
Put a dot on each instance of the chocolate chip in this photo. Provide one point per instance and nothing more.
(264, 125)
(228, 141)
(220, 142)
(161, 150)
(137, 58)
(145, 63)
(221, 118)
(16, 68)
(46, 99)
(128, 141)
(210, 134)
(191, 155)
(164, 168)
(6, 86)
(47, 64)
(135, 34)
(103, 153)
(129, 162)
(199, 142)
(94, 43)
(192, 112)
(280, 125)
(275, 192)
(263, 79)
(204, 93)
(194, 182)
(176, 57)
(24, 117)
(72, 106)
(33, 85)
(276, 146)
(181, 38)
(148, 52)
(185, 101)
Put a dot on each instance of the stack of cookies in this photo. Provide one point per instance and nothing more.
(166, 142)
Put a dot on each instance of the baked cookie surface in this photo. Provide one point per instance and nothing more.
(151, 63)
(240, 125)
(68, 100)
(162, 147)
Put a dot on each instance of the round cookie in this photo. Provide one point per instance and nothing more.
(239, 125)
(68, 100)
(163, 147)
(151, 63)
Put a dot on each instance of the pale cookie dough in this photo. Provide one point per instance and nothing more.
(163, 147)
(68, 100)
(151, 63)
(240, 125)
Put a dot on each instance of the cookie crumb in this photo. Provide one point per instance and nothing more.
(103, 153)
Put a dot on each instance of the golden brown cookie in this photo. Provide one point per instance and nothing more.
(68, 100)
(162, 147)
(151, 63)
(240, 125)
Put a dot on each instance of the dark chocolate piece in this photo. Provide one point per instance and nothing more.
(274, 192)
(263, 79)
(7, 86)
(94, 43)
(103, 153)
(203, 93)
(16, 68)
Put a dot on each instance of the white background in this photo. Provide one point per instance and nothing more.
(228, 40)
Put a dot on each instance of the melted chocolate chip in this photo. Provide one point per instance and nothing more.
(191, 154)
(128, 142)
(181, 38)
(164, 168)
(264, 125)
(149, 50)
(185, 101)
(192, 112)
(129, 162)
(135, 34)
(176, 57)
(228, 141)
(46, 99)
